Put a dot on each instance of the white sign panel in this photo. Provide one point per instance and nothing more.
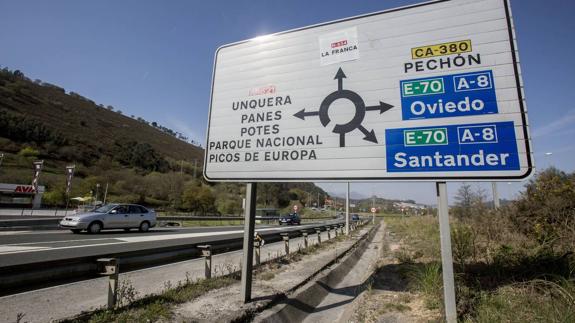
(427, 92)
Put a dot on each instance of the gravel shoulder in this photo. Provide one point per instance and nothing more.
(388, 299)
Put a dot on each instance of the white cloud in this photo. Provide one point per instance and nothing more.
(181, 126)
(556, 126)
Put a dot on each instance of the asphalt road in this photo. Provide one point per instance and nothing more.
(28, 247)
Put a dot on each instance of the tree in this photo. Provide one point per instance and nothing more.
(469, 202)
(198, 199)
(54, 197)
(546, 209)
(140, 155)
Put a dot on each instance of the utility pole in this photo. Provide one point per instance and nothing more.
(373, 207)
(496, 202)
(335, 206)
(105, 193)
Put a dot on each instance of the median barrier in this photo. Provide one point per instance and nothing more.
(22, 276)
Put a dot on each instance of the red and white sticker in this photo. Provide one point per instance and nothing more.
(339, 46)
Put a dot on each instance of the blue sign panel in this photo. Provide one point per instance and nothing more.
(468, 147)
(448, 96)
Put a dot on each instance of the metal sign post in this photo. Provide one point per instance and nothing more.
(69, 175)
(446, 256)
(249, 228)
(347, 211)
(37, 170)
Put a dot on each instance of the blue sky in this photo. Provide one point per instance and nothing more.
(153, 59)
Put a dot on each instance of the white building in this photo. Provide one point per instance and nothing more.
(20, 195)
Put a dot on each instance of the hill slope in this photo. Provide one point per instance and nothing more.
(44, 114)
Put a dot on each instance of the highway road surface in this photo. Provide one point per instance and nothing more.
(28, 247)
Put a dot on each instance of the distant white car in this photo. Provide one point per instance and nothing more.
(111, 216)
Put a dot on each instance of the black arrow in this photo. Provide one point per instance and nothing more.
(339, 76)
(369, 135)
(302, 114)
(382, 107)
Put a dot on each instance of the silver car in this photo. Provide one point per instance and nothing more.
(111, 216)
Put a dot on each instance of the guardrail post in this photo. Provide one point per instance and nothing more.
(110, 267)
(257, 245)
(328, 229)
(304, 234)
(318, 231)
(335, 229)
(285, 237)
(341, 227)
(207, 254)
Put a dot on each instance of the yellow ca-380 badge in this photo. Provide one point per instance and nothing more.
(456, 47)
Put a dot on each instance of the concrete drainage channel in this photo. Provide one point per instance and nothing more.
(306, 298)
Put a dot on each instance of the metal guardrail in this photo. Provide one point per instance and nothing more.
(44, 222)
(177, 220)
(30, 276)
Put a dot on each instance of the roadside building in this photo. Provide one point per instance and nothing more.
(20, 195)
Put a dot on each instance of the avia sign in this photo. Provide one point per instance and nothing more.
(24, 189)
(431, 91)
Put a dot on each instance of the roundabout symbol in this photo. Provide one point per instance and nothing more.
(355, 122)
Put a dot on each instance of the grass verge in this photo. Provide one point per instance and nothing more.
(155, 307)
(498, 279)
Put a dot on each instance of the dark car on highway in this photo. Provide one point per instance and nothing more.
(354, 217)
(290, 219)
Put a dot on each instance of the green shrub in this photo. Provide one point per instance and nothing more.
(463, 243)
(29, 152)
(427, 279)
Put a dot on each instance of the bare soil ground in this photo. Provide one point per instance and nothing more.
(388, 299)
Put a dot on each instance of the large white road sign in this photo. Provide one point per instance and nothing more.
(427, 92)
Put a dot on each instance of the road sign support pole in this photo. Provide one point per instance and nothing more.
(249, 229)
(496, 202)
(347, 211)
(446, 256)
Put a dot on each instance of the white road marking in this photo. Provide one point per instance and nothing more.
(29, 247)
(8, 233)
(15, 249)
